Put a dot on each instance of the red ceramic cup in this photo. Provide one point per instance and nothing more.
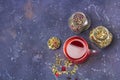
(76, 49)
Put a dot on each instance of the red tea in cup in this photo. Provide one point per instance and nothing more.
(76, 49)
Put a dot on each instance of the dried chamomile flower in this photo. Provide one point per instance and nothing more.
(68, 63)
(72, 72)
(76, 67)
(54, 69)
(58, 61)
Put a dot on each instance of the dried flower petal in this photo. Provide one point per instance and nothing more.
(63, 68)
(57, 74)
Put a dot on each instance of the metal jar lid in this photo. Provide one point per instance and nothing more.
(53, 43)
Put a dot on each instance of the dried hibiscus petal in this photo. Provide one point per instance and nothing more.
(63, 68)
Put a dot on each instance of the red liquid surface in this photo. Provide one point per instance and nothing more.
(77, 44)
(76, 49)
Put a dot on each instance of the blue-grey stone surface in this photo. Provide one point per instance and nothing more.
(26, 25)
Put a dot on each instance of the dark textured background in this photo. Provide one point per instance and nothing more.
(26, 25)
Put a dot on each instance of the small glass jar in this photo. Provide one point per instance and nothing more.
(101, 36)
(79, 22)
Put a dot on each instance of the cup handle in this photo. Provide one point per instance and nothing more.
(93, 50)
